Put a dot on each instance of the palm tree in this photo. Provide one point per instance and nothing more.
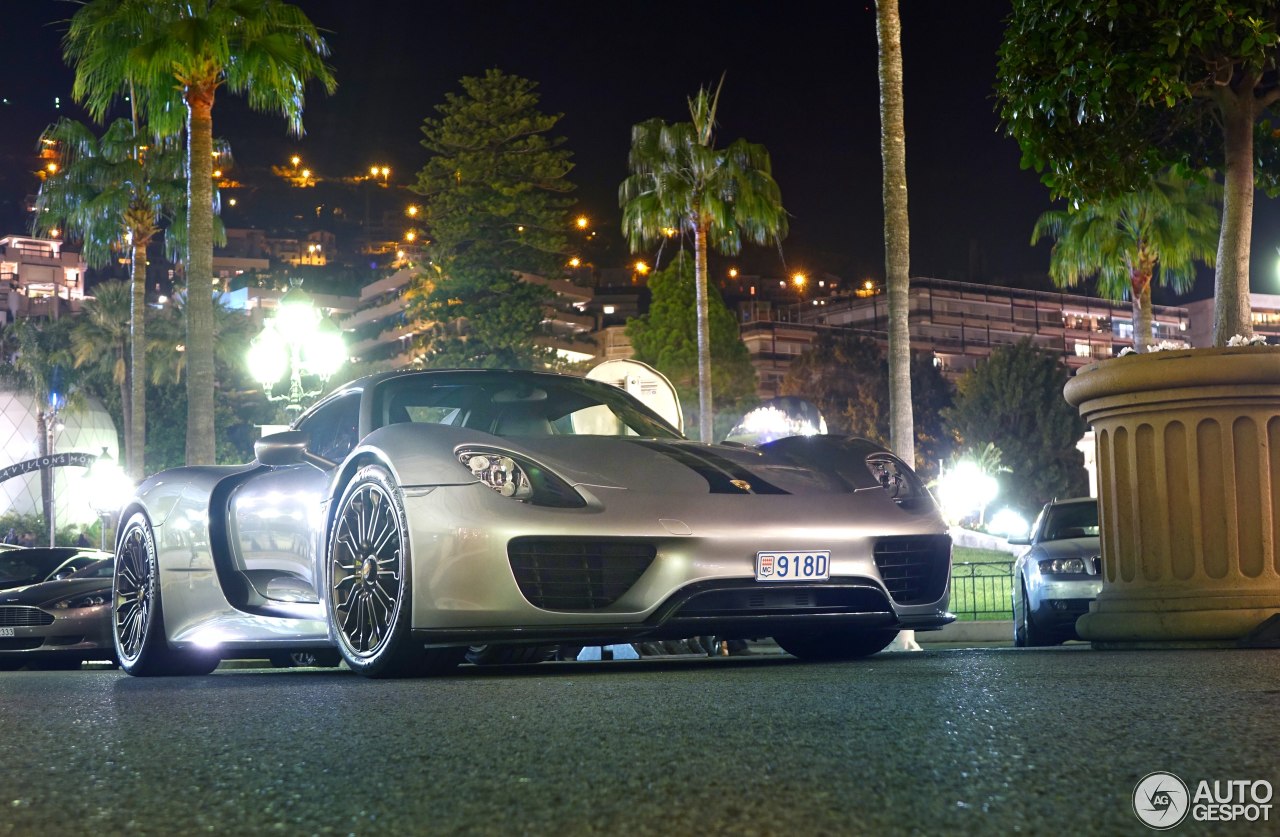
(680, 181)
(168, 358)
(39, 362)
(897, 247)
(172, 56)
(101, 337)
(115, 193)
(1156, 234)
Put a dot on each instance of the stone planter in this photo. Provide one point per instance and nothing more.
(1188, 453)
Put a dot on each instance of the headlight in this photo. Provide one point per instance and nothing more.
(1062, 565)
(85, 600)
(519, 479)
(901, 483)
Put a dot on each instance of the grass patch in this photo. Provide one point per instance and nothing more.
(981, 584)
(975, 555)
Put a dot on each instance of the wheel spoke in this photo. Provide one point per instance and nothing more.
(365, 572)
(133, 593)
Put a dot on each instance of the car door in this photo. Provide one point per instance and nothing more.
(276, 516)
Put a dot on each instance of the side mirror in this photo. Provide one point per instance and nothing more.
(1019, 541)
(288, 448)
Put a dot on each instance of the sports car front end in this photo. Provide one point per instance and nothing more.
(641, 539)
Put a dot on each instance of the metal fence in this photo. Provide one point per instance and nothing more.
(982, 590)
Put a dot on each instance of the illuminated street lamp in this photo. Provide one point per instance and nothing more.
(108, 487)
(297, 341)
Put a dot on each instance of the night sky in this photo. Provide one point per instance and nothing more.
(800, 78)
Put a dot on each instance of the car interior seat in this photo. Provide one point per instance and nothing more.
(523, 423)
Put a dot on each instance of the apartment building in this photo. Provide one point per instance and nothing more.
(1265, 310)
(38, 278)
(959, 322)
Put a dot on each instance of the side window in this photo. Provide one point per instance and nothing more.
(334, 429)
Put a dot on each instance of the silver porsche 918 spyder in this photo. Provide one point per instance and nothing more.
(409, 517)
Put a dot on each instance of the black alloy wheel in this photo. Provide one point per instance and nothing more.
(370, 583)
(136, 615)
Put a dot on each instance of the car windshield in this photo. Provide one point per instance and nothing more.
(517, 405)
(19, 567)
(1071, 520)
(102, 568)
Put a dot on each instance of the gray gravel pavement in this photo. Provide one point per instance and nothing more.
(987, 741)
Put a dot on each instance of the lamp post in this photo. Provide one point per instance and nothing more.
(56, 402)
(108, 485)
(297, 341)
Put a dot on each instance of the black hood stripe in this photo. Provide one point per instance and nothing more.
(718, 471)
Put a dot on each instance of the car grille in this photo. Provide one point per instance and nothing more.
(914, 568)
(18, 616)
(571, 574)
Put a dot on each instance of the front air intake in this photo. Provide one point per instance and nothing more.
(914, 568)
(577, 573)
(20, 616)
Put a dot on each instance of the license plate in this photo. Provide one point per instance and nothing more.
(793, 566)
(6, 632)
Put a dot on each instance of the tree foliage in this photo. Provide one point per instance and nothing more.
(666, 339)
(1155, 234)
(495, 191)
(1101, 96)
(115, 193)
(681, 182)
(843, 375)
(170, 58)
(1013, 400)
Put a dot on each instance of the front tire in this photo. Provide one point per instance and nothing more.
(836, 645)
(1025, 632)
(370, 595)
(137, 617)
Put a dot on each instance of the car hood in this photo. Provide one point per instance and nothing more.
(48, 592)
(1069, 548)
(678, 466)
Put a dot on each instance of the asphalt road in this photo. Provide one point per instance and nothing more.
(993, 741)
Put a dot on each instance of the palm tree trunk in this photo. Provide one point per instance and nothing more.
(1142, 316)
(201, 442)
(897, 239)
(136, 414)
(1232, 310)
(706, 415)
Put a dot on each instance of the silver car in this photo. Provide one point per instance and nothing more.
(1056, 578)
(410, 517)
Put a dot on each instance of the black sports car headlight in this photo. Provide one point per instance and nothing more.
(518, 478)
(899, 481)
(84, 600)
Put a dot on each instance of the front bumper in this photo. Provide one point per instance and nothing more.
(84, 633)
(700, 580)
